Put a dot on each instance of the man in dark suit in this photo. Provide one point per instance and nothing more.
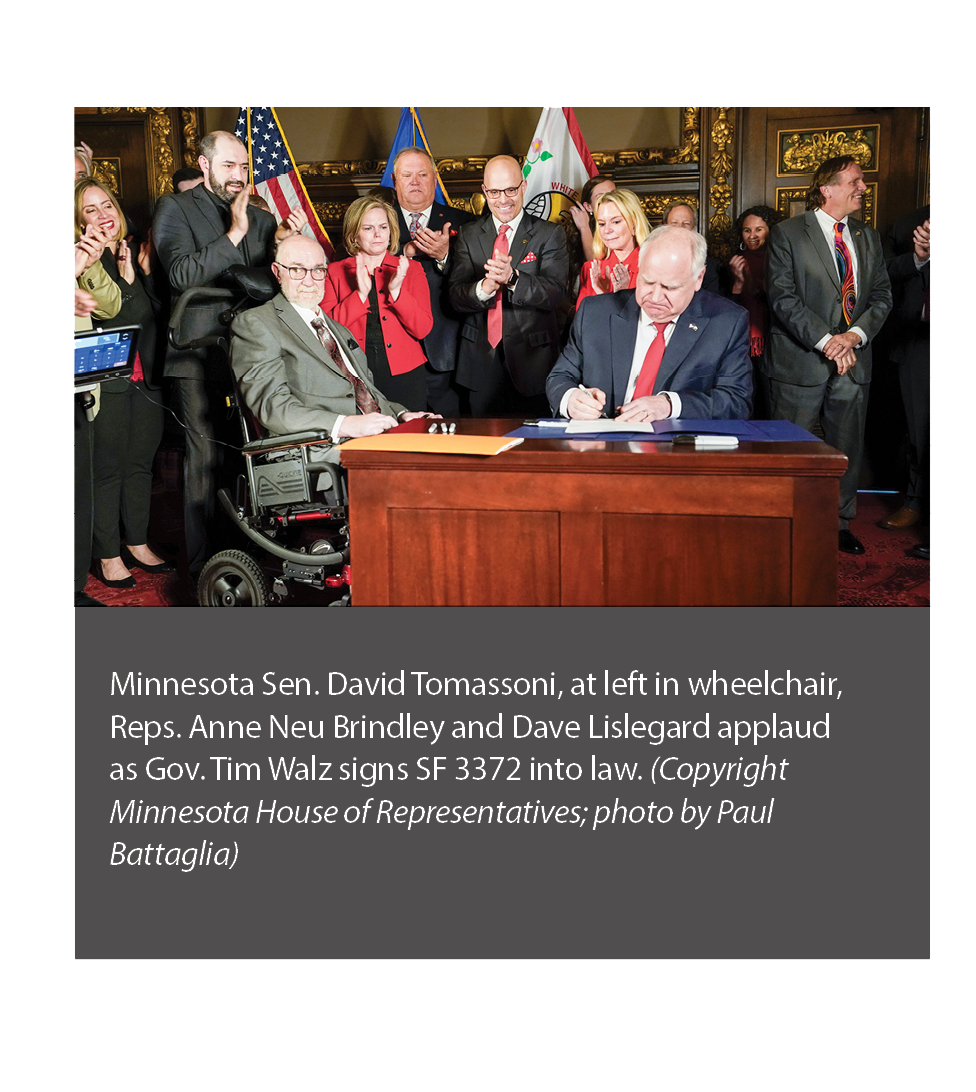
(297, 369)
(199, 235)
(829, 296)
(509, 276)
(906, 250)
(426, 230)
(664, 349)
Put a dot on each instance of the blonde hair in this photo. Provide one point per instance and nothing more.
(355, 215)
(630, 209)
(81, 186)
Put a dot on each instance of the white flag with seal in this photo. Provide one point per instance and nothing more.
(557, 165)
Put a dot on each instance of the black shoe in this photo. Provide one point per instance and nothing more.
(921, 551)
(127, 582)
(849, 543)
(83, 600)
(132, 562)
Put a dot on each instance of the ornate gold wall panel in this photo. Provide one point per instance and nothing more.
(802, 151)
(791, 201)
(161, 140)
(721, 156)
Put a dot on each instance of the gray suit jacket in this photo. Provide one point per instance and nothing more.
(191, 240)
(804, 290)
(288, 380)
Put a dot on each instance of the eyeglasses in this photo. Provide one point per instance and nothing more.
(511, 191)
(299, 272)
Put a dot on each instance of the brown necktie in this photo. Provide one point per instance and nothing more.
(365, 402)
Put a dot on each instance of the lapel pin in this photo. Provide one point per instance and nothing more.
(692, 326)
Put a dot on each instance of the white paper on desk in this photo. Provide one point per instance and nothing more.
(604, 424)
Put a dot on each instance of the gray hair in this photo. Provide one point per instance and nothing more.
(667, 232)
(413, 151)
(680, 205)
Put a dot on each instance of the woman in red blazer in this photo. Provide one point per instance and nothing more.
(383, 301)
(621, 227)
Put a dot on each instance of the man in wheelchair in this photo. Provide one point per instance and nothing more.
(296, 369)
(307, 386)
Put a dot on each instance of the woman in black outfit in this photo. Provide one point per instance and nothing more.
(129, 424)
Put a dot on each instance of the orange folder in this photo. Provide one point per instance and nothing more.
(436, 442)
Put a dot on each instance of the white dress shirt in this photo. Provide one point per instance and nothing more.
(646, 333)
(513, 227)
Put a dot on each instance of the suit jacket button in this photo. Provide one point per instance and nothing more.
(384, 318)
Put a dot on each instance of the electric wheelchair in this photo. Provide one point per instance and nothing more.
(296, 532)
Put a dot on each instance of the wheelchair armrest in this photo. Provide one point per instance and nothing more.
(291, 439)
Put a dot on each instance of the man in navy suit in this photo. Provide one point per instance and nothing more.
(426, 230)
(664, 349)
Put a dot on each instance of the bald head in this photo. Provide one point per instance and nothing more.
(504, 187)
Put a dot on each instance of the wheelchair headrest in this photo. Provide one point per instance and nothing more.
(258, 284)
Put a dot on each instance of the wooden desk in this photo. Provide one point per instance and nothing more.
(584, 523)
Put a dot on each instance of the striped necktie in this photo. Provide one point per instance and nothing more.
(365, 402)
(846, 269)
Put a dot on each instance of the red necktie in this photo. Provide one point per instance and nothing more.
(652, 362)
(846, 269)
(365, 402)
(495, 314)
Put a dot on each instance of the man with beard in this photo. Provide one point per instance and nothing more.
(199, 235)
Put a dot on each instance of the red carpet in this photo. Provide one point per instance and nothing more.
(886, 575)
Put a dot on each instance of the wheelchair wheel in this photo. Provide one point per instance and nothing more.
(233, 579)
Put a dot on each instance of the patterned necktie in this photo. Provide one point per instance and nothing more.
(365, 402)
(846, 269)
(652, 362)
(495, 314)
(414, 224)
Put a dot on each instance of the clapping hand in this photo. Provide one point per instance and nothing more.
(433, 243)
(398, 278)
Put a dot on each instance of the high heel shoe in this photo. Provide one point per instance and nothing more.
(127, 582)
(132, 562)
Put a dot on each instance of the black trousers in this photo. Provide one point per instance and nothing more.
(126, 434)
(498, 396)
(203, 409)
(83, 496)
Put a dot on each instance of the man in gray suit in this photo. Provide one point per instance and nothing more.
(829, 296)
(297, 369)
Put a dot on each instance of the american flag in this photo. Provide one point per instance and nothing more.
(274, 172)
